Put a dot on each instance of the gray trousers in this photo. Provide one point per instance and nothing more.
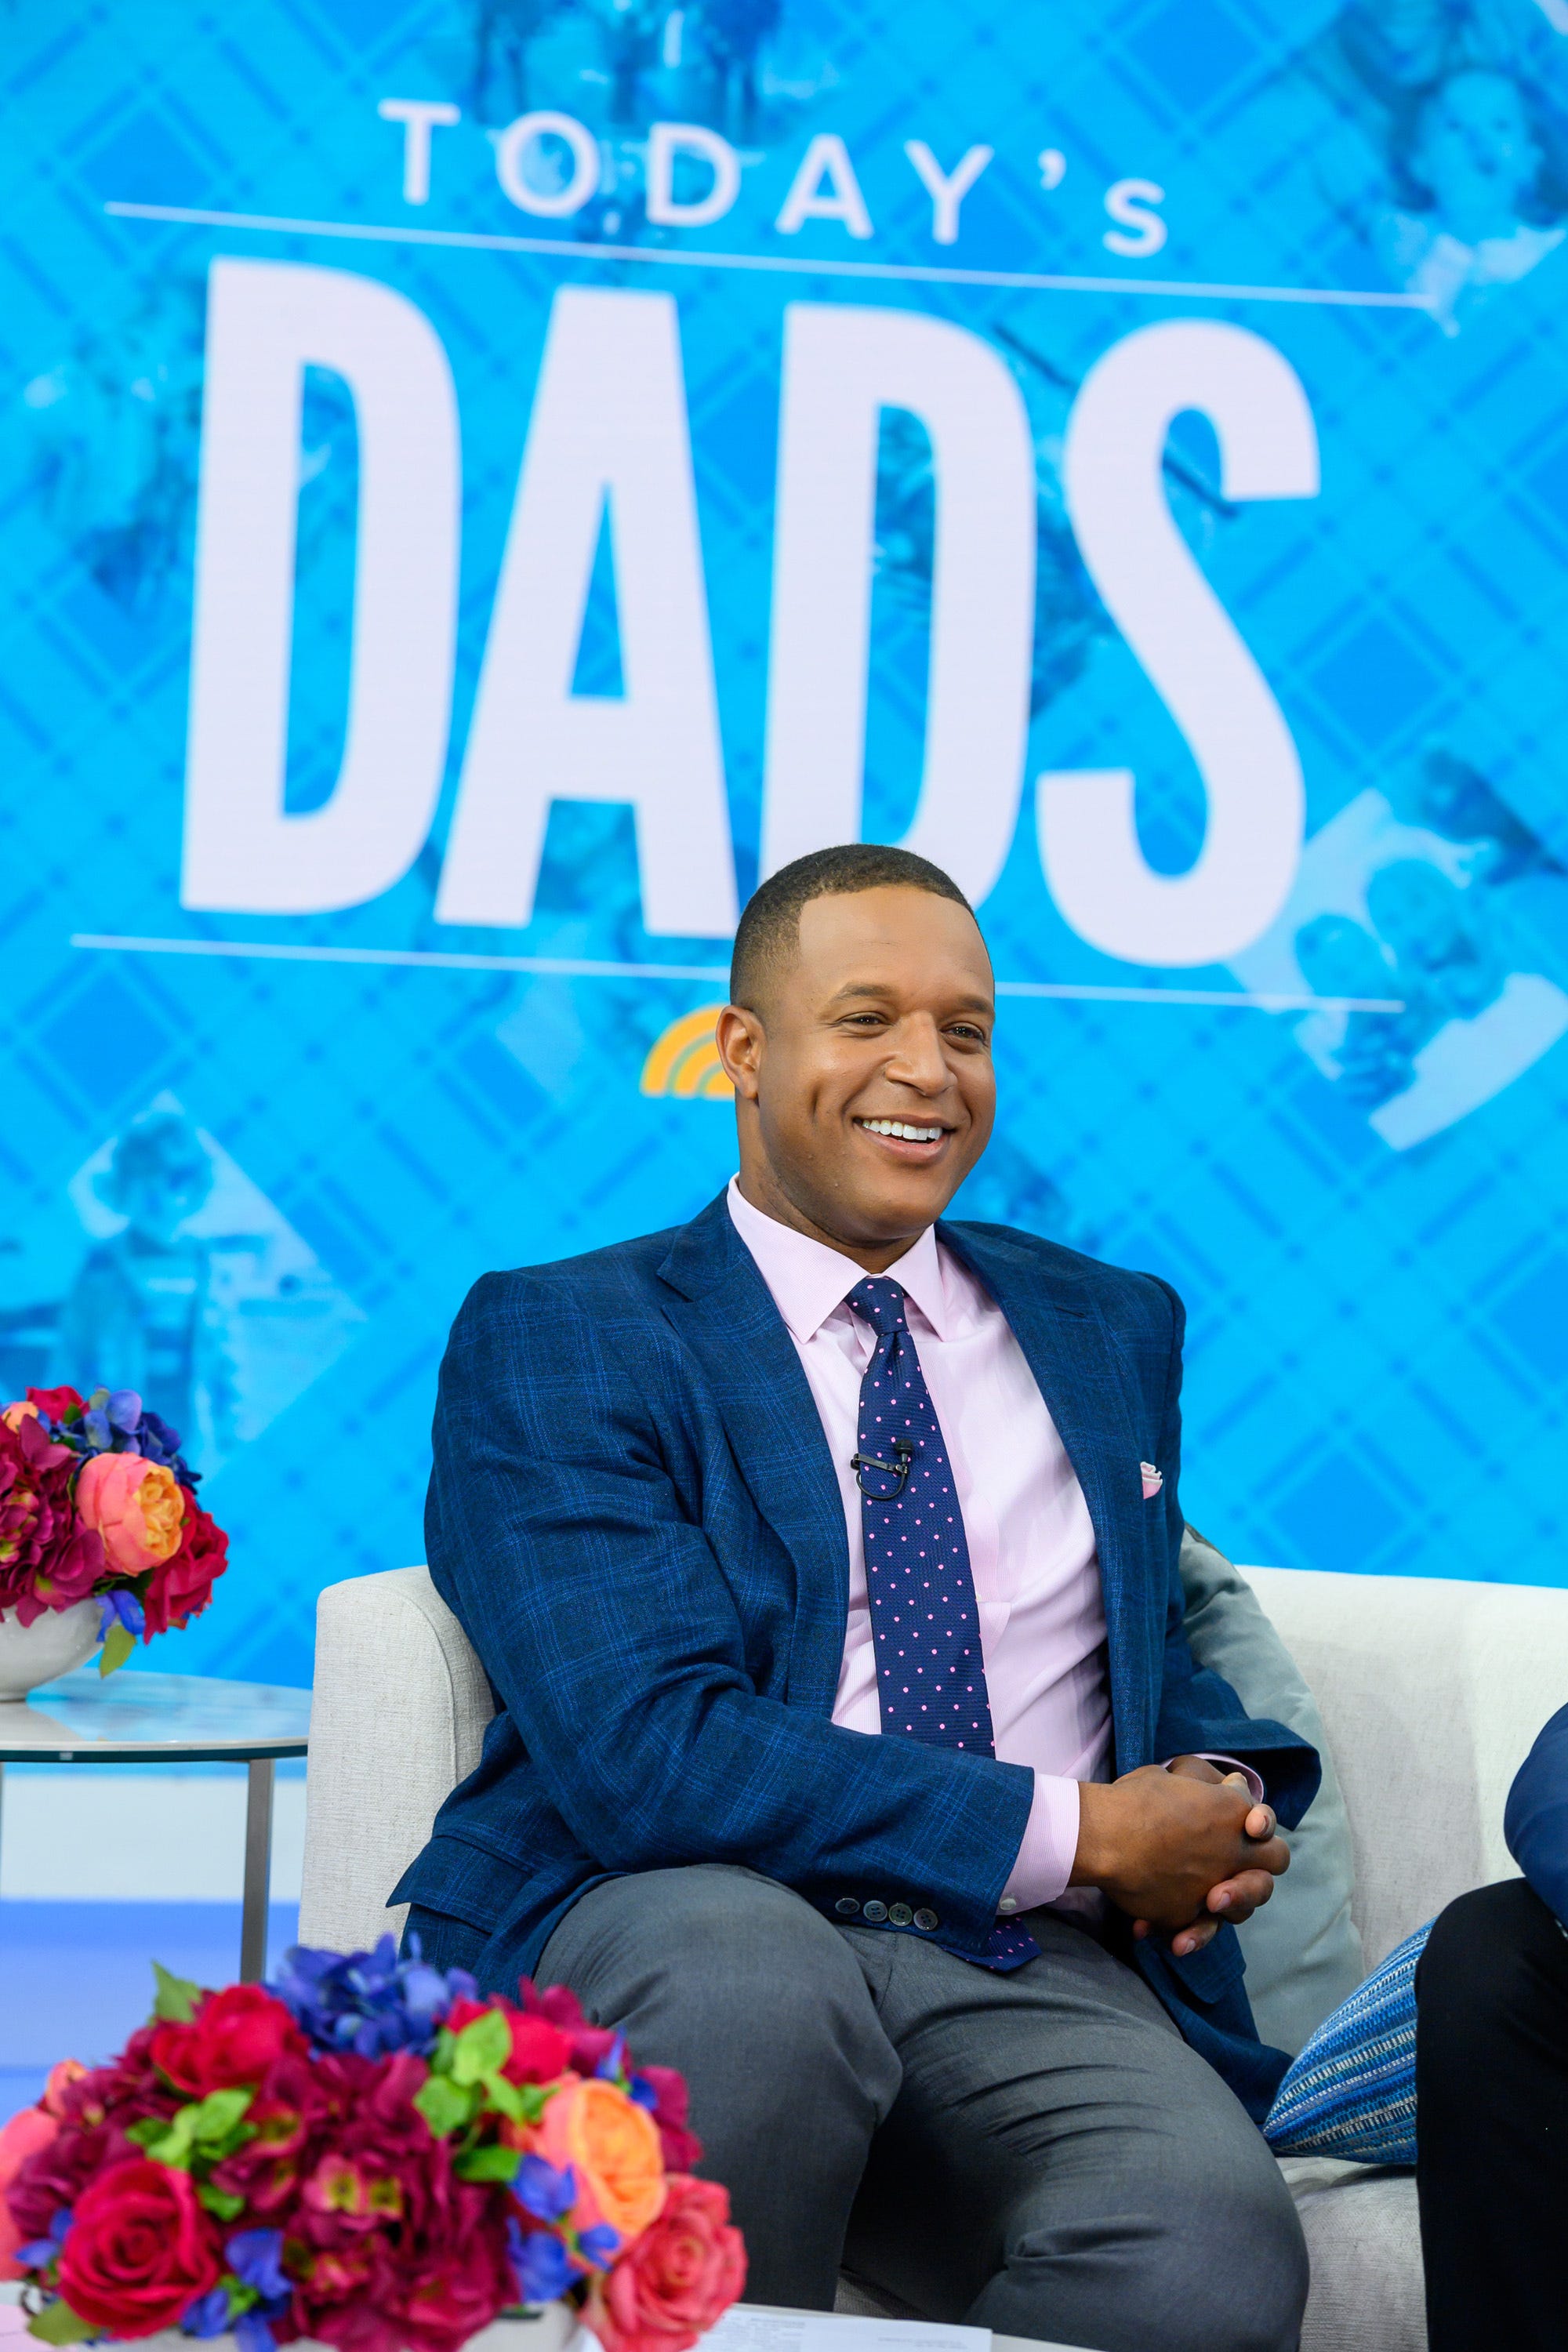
(1037, 2152)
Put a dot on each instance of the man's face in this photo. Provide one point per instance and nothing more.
(867, 1091)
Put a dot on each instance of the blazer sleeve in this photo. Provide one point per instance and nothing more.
(1199, 1712)
(1535, 1820)
(559, 1537)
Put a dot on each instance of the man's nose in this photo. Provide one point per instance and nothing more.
(919, 1060)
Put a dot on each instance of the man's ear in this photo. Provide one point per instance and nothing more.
(739, 1036)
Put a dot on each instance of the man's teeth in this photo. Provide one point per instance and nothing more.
(902, 1128)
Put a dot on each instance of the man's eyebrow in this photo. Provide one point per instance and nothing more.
(878, 992)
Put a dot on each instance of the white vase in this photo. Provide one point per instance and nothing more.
(54, 1643)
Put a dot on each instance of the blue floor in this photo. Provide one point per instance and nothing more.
(76, 1977)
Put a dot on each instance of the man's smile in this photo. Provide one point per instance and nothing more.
(921, 1139)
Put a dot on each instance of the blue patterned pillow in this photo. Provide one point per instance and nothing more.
(1351, 2092)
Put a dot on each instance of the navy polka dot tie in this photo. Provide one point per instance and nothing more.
(925, 1622)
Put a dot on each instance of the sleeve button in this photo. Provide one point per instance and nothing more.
(875, 1912)
(846, 1907)
(900, 1914)
(1008, 1903)
(927, 1920)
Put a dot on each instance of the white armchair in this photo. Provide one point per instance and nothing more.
(1430, 1693)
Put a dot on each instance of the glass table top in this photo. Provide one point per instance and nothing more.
(134, 1718)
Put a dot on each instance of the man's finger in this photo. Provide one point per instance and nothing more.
(1238, 1898)
(1261, 1823)
(1193, 1940)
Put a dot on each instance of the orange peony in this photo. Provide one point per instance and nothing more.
(611, 2146)
(136, 1507)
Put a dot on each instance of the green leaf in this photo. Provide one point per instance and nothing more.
(177, 1997)
(144, 2133)
(483, 2048)
(218, 2113)
(505, 2097)
(118, 1645)
(489, 2164)
(219, 2202)
(58, 2324)
(441, 2056)
(442, 2104)
(535, 2098)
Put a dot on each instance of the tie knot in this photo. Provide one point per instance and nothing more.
(880, 1303)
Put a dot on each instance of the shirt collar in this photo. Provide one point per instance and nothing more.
(808, 1280)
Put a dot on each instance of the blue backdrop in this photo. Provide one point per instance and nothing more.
(479, 478)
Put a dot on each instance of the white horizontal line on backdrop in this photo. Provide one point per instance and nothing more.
(922, 273)
(578, 967)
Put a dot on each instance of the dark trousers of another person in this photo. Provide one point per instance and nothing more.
(1491, 2103)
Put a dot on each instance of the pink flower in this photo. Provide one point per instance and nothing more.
(137, 1507)
(680, 2275)
(15, 1414)
(46, 1561)
(23, 2136)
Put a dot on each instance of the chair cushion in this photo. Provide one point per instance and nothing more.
(1351, 2092)
(1363, 2239)
(1302, 1951)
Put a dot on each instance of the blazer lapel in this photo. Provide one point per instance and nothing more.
(725, 1313)
(1084, 1385)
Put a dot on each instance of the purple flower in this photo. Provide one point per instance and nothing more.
(45, 2250)
(541, 2263)
(644, 2094)
(613, 2064)
(600, 2244)
(124, 1606)
(255, 2257)
(542, 2190)
(252, 2333)
(370, 2002)
(208, 2316)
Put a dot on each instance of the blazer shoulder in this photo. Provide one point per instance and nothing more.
(608, 1287)
(1089, 1285)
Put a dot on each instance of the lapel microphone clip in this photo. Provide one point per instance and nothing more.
(897, 1470)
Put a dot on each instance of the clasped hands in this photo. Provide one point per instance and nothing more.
(1179, 1848)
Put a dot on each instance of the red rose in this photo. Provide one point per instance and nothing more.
(140, 2250)
(235, 2037)
(540, 2050)
(45, 1562)
(672, 2283)
(182, 1584)
(55, 1403)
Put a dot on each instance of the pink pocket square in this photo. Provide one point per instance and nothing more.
(1153, 1479)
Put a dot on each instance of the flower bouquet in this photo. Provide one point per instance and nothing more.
(368, 2155)
(98, 1505)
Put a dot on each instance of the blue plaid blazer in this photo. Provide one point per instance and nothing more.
(634, 1515)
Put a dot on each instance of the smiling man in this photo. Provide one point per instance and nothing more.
(823, 1557)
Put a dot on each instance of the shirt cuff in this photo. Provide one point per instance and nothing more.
(1048, 1848)
(1229, 1764)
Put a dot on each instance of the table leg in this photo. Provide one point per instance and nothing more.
(257, 1871)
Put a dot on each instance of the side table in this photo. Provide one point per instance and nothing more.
(150, 1718)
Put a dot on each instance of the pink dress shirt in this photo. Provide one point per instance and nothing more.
(1031, 1541)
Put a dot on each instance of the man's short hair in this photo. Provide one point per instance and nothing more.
(768, 933)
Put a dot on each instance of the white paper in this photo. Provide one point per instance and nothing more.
(747, 2328)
